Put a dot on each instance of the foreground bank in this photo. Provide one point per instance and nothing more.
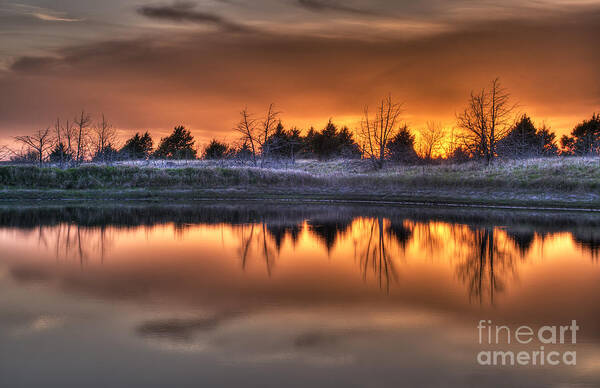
(557, 182)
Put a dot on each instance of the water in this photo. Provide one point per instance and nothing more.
(271, 296)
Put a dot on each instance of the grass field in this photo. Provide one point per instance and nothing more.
(541, 181)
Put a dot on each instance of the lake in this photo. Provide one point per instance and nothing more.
(293, 295)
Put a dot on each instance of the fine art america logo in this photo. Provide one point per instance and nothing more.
(544, 345)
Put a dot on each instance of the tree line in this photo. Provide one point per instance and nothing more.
(489, 127)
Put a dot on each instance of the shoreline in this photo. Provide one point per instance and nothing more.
(419, 198)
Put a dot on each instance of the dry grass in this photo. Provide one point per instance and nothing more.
(547, 174)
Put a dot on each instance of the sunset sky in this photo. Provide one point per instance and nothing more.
(152, 65)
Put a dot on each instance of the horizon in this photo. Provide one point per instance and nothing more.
(152, 65)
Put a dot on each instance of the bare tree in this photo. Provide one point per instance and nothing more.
(40, 142)
(432, 139)
(377, 131)
(104, 135)
(257, 134)
(451, 144)
(486, 120)
(58, 131)
(82, 123)
(247, 128)
(267, 127)
(4, 152)
(59, 140)
(69, 135)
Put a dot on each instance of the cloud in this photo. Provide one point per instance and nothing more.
(32, 64)
(40, 13)
(185, 12)
(54, 18)
(202, 79)
(321, 6)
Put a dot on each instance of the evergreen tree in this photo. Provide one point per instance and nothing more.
(137, 147)
(178, 145)
(216, 150)
(60, 154)
(525, 140)
(331, 143)
(244, 152)
(106, 155)
(284, 144)
(401, 148)
(584, 139)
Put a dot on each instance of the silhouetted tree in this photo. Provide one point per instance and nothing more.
(178, 145)
(486, 120)
(548, 139)
(295, 143)
(285, 144)
(584, 139)
(401, 147)
(216, 150)
(4, 152)
(278, 142)
(333, 143)
(68, 136)
(60, 154)
(377, 131)
(29, 156)
(243, 152)
(451, 144)
(82, 122)
(248, 131)
(60, 151)
(256, 133)
(458, 155)
(104, 135)
(40, 142)
(266, 129)
(308, 141)
(137, 147)
(524, 140)
(108, 154)
(431, 139)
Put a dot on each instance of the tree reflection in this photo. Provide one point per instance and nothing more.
(522, 238)
(257, 237)
(280, 232)
(69, 241)
(589, 240)
(482, 255)
(328, 231)
(486, 265)
(374, 250)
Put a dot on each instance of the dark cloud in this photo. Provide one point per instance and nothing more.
(332, 6)
(186, 12)
(202, 79)
(33, 64)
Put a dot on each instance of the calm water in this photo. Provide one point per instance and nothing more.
(271, 296)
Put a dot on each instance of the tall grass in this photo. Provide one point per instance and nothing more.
(556, 174)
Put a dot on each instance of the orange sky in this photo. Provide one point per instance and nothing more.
(153, 66)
